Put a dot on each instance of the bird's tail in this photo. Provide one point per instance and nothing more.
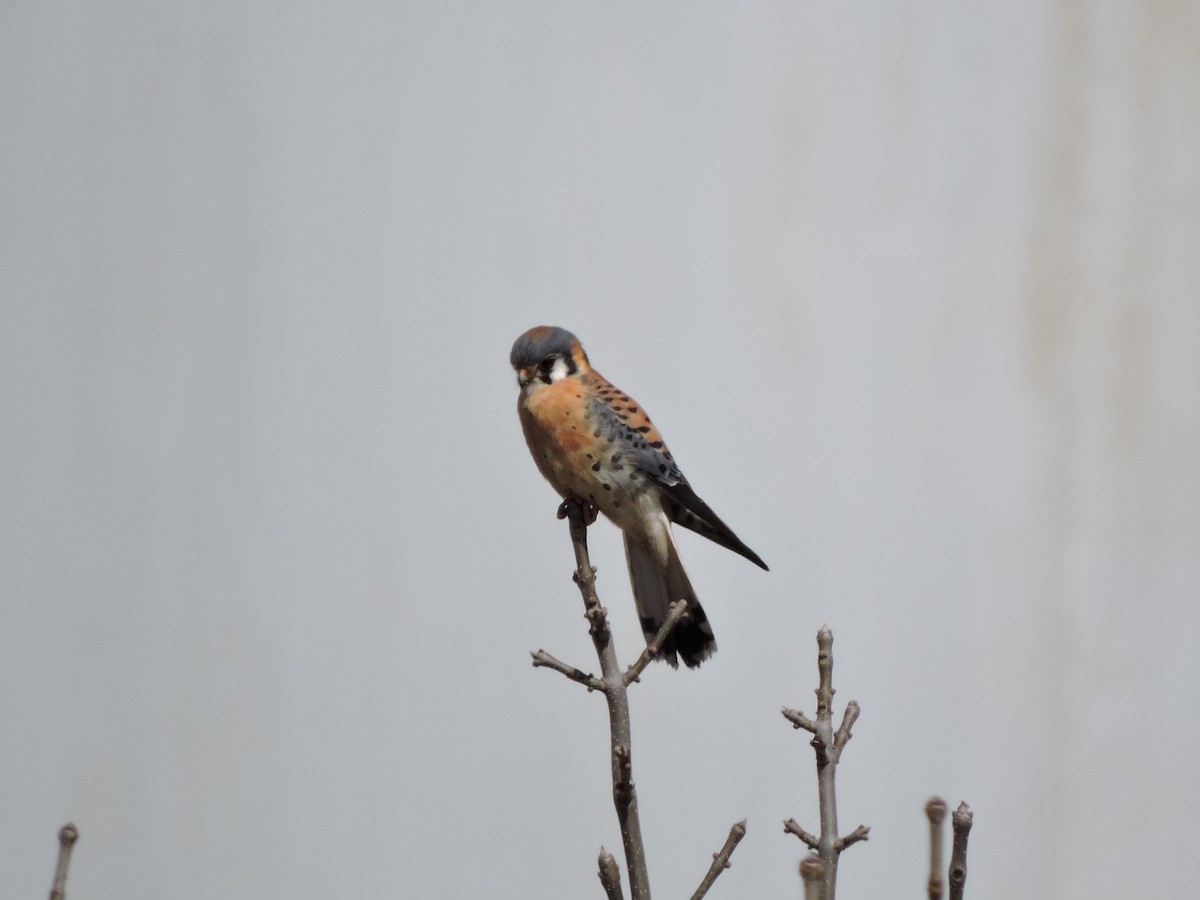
(655, 587)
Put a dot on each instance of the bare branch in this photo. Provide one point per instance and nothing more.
(812, 872)
(614, 684)
(721, 859)
(825, 689)
(610, 875)
(799, 720)
(542, 659)
(616, 695)
(827, 747)
(623, 773)
(861, 833)
(935, 811)
(961, 823)
(67, 836)
(675, 614)
(791, 826)
(843, 734)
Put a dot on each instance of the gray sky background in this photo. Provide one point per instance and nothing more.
(912, 289)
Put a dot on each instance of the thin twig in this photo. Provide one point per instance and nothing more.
(791, 826)
(542, 659)
(843, 734)
(961, 823)
(721, 859)
(827, 746)
(935, 811)
(67, 836)
(676, 611)
(610, 875)
(799, 720)
(812, 873)
(861, 833)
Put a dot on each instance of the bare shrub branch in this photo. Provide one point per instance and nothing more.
(961, 823)
(721, 859)
(542, 659)
(827, 747)
(812, 873)
(858, 834)
(610, 875)
(791, 826)
(843, 733)
(935, 811)
(613, 684)
(67, 836)
(799, 720)
(675, 613)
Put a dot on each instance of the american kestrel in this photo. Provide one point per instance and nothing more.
(595, 444)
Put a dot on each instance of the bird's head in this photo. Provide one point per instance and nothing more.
(545, 355)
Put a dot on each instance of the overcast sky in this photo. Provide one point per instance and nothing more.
(911, 289)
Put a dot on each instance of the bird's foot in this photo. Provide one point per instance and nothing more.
(590, 511)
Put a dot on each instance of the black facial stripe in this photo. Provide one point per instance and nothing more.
(546, 367)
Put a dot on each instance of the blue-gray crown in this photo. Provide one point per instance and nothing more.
(537, 343)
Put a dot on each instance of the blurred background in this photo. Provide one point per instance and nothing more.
(912, 289)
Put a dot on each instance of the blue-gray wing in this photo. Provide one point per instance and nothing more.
(641, 448)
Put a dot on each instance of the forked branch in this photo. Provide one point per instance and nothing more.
(827, 746)
(613, 683)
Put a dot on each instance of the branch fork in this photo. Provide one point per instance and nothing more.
(827, 746)
(613, 683)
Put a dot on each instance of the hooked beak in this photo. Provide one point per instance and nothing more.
(524, 375)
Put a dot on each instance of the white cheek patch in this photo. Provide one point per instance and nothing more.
(559, 370)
